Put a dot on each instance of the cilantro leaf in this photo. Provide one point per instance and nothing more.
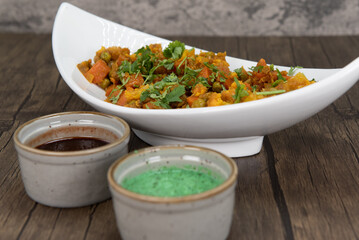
(171, 79)
(280, 79)
(277, 82)
(114, 99)
(293, 69)
(271, 92)
(168, 64)
(167, 96)
(271, 67)
(119, 88)
(174, 50)
(126, 66)
(280, 76)
(204, 82)
(256, 68)
(163, 100)
(212, 67)
(215, 71)
(174, 95)
(146, 94)
(239, 72)
(145, 59)
(143, 63)
(240, 91)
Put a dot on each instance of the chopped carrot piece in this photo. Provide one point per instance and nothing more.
(258, 74)
(122, 100)
(98, 72)
(191, 99)
(135, 81)
(109, 89)
(205, 72)
(228, 83)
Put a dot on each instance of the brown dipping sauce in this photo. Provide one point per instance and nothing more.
(72, 144)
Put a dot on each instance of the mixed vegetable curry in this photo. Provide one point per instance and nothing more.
(178, 78)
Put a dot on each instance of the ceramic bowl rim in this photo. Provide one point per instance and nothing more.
(231, 180)
(18, 143)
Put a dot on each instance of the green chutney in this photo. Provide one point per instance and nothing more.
(172, 181)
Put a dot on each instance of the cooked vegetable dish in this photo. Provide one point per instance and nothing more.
(178, 78)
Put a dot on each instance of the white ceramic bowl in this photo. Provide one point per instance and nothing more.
(73, 178)
(236, 130)
(206, 215)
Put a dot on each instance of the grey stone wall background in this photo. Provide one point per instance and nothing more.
(204, 18)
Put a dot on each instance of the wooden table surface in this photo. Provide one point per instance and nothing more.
(304, 183)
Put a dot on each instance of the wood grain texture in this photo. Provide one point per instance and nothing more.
(304, 184)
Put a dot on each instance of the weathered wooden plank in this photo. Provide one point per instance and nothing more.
(256, 213)
(41, 223)
(50, 94)
(275, 50)
(19, 77)
(12, 46)
(103, 224)
(7, 151)
(72, 223)
(15, 205)
(315, 166)
(340, 50)
(308, 52)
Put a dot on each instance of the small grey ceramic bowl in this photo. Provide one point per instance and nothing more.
(72, 178)
(206, 215)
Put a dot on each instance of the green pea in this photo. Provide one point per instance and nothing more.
(199, 103)
(106, 56)
(217, 87)
(105, 83)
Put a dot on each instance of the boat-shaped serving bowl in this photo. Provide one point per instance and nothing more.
(235, 130)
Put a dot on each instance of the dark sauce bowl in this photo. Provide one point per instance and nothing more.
(69, 178)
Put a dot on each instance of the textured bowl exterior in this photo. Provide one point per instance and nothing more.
(208, 219)
(207, 215)
(76, 184)
(68, 179)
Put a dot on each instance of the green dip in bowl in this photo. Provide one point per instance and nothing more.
(173, 192)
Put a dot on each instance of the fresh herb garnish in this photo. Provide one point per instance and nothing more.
(256, 69)
(280, 76)
(277, 82)
(271, 67)
(239, 72)
(179, 66)
(174, 50)
(163, 92)
(254, 88)
(293, 69)
(190, 79)
(240, 91)
(127, 67)
(212, 67)
(143, 64)
(280, 79)
(215, 71)
(171, 79)
(114, 99)
(271, 92)
(145, 59)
